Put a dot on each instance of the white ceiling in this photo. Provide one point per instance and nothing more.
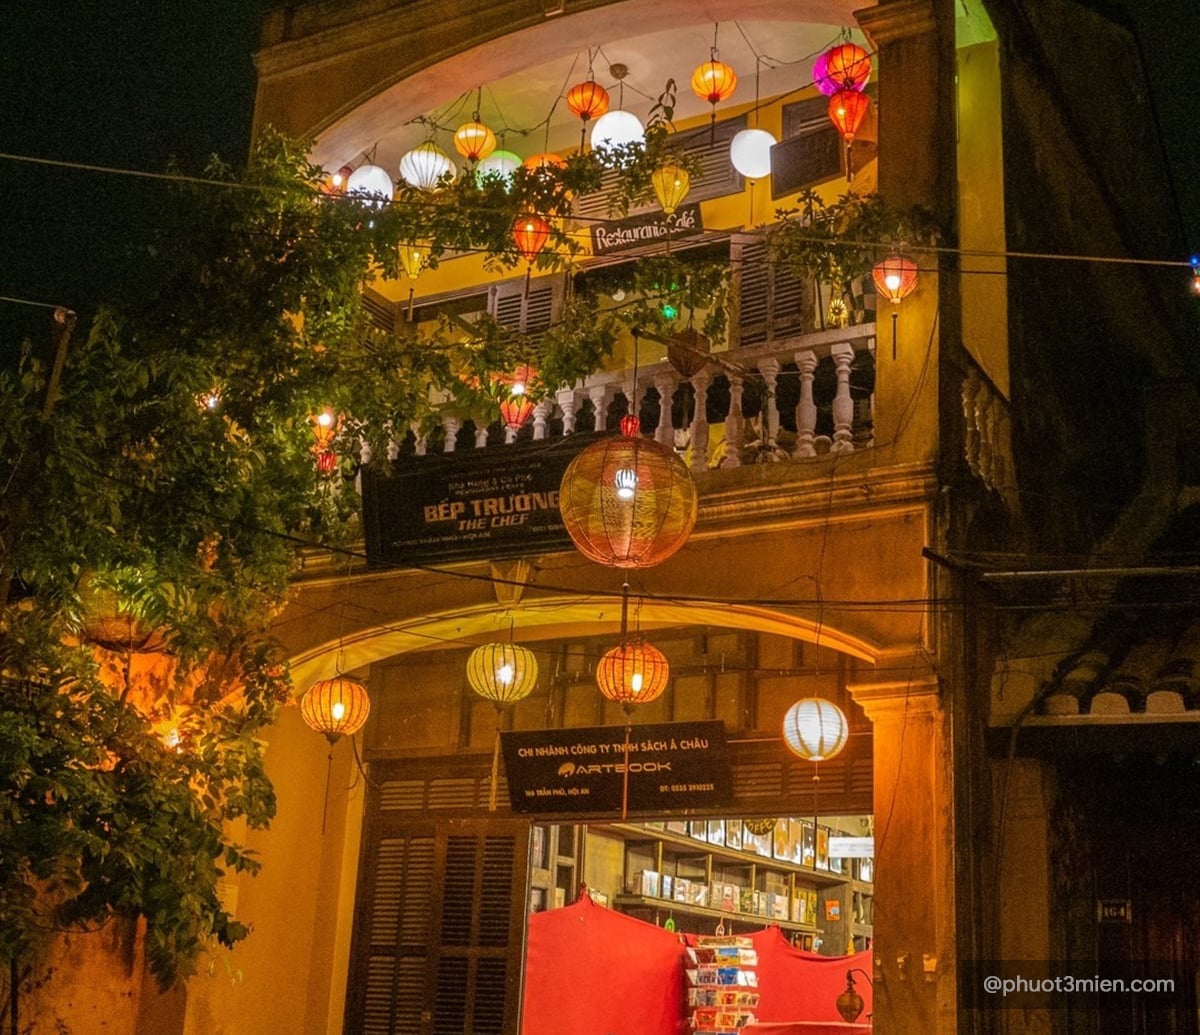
(519, 92)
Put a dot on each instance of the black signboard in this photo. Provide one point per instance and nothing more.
(625, 235)
(673, 765)
(486, 503)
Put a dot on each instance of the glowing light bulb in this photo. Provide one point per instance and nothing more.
(171, 738)
(338, 711)
(325, 419)
(669, 311)
(626, 482)
(505, 674)
(635, 682)
(892, 280)
(212, 400)
(517, 389)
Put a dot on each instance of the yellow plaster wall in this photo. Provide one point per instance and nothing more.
(289, 975)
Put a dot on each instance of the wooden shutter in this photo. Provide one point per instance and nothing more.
(527, 311)
(773, 303)
(439, 925)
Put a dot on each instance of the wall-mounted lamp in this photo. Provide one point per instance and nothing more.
(849, 1002)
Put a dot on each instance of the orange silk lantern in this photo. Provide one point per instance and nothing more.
(473, 140)
(633, 673)
(895, 277)
(846, 67)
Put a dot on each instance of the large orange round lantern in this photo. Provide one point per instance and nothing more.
(587, 100)
(628, 502)
(847, 109)
(335, 707)
(633, 673)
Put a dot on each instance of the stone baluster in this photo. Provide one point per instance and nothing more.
(666, 383)
(768, 366)
(734, 423)
(541, 413)
(843, 405)
(481, 434)
(598, 394)
(419, 449)
(510, 435)
(365, 452)
(451, 426)
(565, 397)
(985, 418)
(806, 409)
(699, 430)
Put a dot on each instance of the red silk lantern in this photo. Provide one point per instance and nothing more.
(844, 67)
(895, 277)
(847, 109)
(530, 234)
(587, 100)
(631, 425)
(517, 408)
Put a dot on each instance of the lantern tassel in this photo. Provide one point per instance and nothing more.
(328, 779)
(410, 303)
(495, 781)
(894, 317)
(625, 773)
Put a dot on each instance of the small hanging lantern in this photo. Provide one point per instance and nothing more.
(633, 673)
(335, 707)
(473, 140)
(586, 101)
(413, 257)
(517, 408)
(628, 502)
(714, 81)
(530, 232)
(844, 67)
(847, 109)
(502, 673)
(371, 185)
(895, 277)
(815, 729)
(618, 129)
(426, 166)
(750, 153)
(671, 184)
(631, 424)
(500, 164)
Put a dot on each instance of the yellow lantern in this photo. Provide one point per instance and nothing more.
(671, 183)
(413, 257)
(502, 673)
(335, 707)
(815, 729)
(633, 673)
(473, 140)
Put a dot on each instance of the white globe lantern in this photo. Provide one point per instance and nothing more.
(750, 152)
(501, 164)
(617, 128)
(815, 729)
(371, 184)
(425, 165)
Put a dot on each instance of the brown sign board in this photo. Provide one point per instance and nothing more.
(625, 235)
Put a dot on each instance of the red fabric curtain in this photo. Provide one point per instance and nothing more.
(593, 971)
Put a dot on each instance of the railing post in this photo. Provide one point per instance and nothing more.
(666, 384)
(565, 397)
(540, 412)
(734, 423)
(598, 394)
(768, 366)
(806, 409)
(419, 448)
(451, 426)
(843, 406)
(481, 435)
(698, 433)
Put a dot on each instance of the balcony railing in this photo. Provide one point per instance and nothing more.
(800, 396)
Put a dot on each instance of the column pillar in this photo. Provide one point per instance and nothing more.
(914, 924)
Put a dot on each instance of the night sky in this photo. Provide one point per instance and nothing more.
(137, 84)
